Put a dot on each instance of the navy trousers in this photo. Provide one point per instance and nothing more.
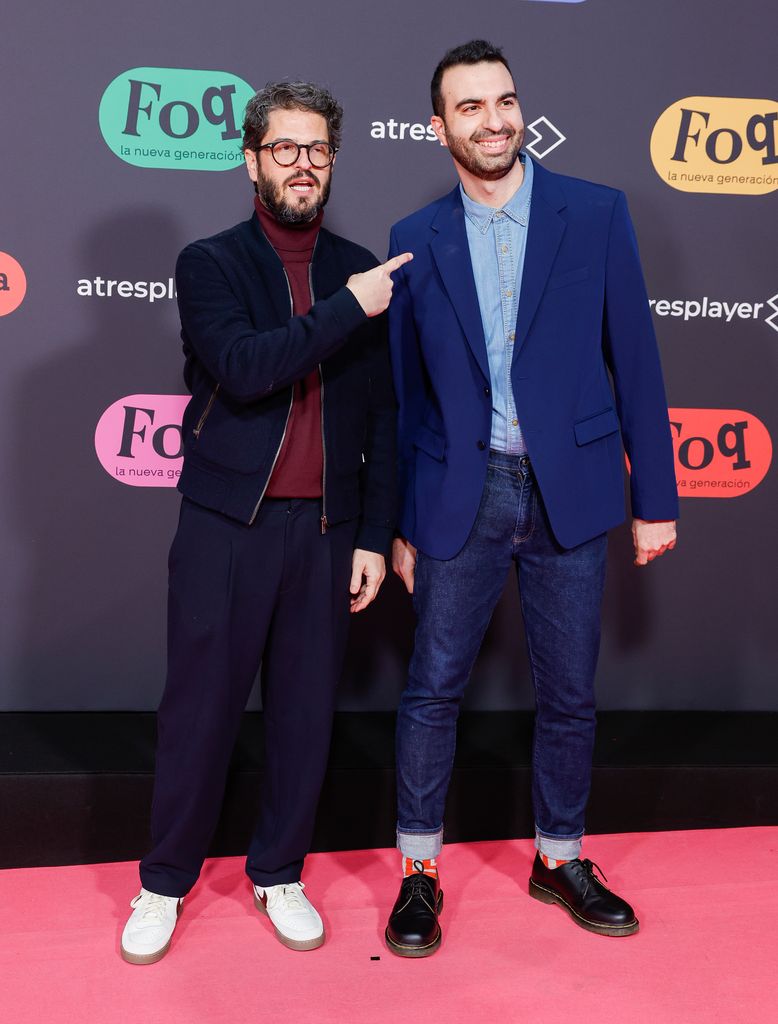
(275, 593)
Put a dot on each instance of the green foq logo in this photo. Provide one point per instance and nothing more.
(173, 117)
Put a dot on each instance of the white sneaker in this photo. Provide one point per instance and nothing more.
(147, 934)
(295, 920)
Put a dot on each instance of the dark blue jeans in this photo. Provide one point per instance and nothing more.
(561, 596)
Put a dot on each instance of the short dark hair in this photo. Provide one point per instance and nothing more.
(474, 52)
(290, 96)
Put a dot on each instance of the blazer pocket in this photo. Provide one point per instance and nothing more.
(595, 427)
(430, 442)
(568, 277)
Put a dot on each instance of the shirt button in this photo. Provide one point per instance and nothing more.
(481, 446)
(504, 248)
(511, 335)
(487, 391)
(515, 423)
(508, 294)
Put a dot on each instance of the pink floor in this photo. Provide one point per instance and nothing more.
(707, 950)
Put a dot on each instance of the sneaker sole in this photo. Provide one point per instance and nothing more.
(285, 940)
(150, 958)
(415, 951)
(543, 895)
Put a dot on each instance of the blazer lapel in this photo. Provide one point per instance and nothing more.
(452, 257)
(544, 237)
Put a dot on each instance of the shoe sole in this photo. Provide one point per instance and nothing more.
(415, 951)
(543, 895)
(150, 958)
(300, 944)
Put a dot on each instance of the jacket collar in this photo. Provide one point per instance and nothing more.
(452, 257)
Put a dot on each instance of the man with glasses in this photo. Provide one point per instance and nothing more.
(288, 508)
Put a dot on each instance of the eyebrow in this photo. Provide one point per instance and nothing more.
(505, 96)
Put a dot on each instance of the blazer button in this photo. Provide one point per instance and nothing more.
(481, 446)
(487, 391)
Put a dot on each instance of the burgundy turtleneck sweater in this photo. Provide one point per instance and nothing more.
(299, 468)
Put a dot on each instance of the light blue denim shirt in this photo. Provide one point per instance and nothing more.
(498, 241)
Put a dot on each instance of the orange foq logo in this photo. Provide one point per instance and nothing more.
(718, 144)
(13, 284)
(719, 453)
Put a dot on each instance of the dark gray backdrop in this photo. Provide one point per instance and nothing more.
(84, 557)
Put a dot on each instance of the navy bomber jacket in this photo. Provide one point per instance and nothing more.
(244, 351)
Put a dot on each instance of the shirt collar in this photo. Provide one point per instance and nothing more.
(517, 207)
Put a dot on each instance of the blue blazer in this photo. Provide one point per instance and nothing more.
(585, 370)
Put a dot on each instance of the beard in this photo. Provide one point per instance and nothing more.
(480, 164)
(304, 210)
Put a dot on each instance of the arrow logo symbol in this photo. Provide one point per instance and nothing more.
(548, 132)
(772, 319)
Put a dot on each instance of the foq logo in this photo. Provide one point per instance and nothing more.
(173, 117)
(138, 440)
(13, 284)
(718, 144)
(719, 453)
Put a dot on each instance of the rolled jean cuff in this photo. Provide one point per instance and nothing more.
(558, 847)
(420, 845)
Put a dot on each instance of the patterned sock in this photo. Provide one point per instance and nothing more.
(551, 863)
(413, 866)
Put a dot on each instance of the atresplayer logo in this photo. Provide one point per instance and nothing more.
(173, 117)
(138, 440)
(13, 284)
(718, 144)
(719, 453)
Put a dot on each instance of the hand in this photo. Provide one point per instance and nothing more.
(652, 539)
(404, 561)
(373, 289)
(367, 574)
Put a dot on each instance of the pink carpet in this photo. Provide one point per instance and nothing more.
(707, 950)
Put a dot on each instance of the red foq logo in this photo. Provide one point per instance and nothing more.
(719, 453)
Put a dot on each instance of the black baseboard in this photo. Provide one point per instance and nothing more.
(76, 787)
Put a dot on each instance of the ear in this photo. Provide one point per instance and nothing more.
(251, 163)
(439, 127)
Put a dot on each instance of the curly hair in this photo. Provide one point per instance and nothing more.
(290, 96)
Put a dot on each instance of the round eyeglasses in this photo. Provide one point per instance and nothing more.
(286, 152)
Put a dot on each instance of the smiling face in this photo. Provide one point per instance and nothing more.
(295, 194)
(482, 124)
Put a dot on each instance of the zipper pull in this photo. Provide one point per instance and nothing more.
(324, 525)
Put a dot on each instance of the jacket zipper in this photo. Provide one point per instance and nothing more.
(206, 410)
(286, 423)
(324, 523)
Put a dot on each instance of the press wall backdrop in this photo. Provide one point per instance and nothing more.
(120, 127)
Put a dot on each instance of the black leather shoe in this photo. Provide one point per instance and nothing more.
(413, 928)
(575, 888)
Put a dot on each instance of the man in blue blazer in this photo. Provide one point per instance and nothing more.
(523, 356)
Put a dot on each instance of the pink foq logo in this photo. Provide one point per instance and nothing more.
(138, 440)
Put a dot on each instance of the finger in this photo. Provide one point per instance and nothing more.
(361, 601)
(356, 578)
(407, 577)
(397, 261)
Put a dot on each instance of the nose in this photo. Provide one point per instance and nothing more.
(303, 160)
(492, 119)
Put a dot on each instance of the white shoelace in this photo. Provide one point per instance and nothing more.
(289, 896)
(155, 908)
